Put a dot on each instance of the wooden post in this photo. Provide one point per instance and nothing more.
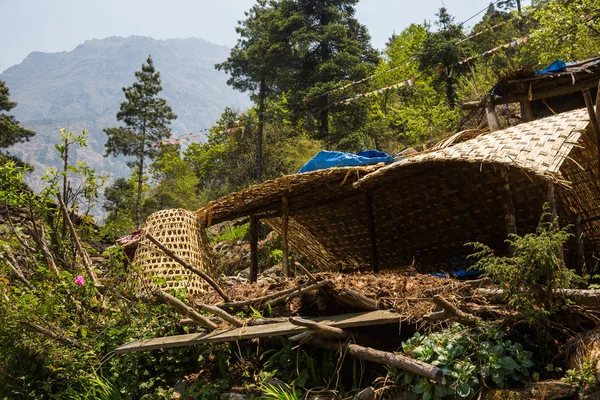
(581, 267)
(527, 111)
(285, 216)
(509, 207)
(551, 197)
(490, 112)
(598, 103)
(372, 233)
(253, 248)
(593, 120)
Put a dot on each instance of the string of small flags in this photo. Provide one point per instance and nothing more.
(233, 127)
(491, 28)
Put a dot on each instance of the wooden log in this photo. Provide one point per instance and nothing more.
(184, 309)
(372, 232)
(355, 299)
(87, 262)
(490, 112)
(310, 276)
(232, 319)
(188, 266)
(285, 217)
(455, 313)
(581, 267)
(472, 105)
(593, 121)
(278, 297)
(508, 205)
(253, 248)
(437, 316)
(321, 330)
(382, 357)
(544, 92)
(584, 297)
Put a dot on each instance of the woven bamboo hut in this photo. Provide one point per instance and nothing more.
(427, 206)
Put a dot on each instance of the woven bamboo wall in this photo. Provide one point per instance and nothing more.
(180, 231)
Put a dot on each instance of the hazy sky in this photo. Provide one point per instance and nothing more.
(60, 25)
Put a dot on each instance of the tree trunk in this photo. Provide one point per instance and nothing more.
(261, 123)
(138, 200)
(324, 120)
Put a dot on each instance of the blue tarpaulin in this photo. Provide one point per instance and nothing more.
(330, 159)
(556, 66)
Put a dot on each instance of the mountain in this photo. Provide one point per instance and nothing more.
(81, 89)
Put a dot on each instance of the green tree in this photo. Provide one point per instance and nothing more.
(332, 46)
(259, 61)
(146, 117)
(10, 130)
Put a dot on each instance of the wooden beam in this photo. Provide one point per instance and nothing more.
(544, 94)
(490, 112)
(184, 309)
(381, 317)
(372, 232)
(188, 266)
(584, 297)
(285, 217)
(598, 103)
(508, 205)
(593, 121)
(253, 248)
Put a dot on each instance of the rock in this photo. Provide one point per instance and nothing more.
(589, 394)
(278, 384)
(179, 388)
(233, 396)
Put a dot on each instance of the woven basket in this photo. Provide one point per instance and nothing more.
(180, 231)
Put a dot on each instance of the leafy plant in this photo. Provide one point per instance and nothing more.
(467, 358)
(275, 392)
(530, 276)
(585, 376)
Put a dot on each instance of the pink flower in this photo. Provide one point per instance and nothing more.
(80, 280)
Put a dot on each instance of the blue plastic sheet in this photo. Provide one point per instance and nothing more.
(556, 66)
(460, 274)
(331, 159)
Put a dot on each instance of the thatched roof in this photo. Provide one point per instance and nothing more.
(427, 206)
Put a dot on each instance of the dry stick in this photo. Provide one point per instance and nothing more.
(310, 276)
(355, 299)
(60, 338)
(321, 330)
(87, 262)
(39, 238)
(583, 297)
(278, 297)
(184, 309)
(189, 267)
(19, 273)
(233, 320)
(382, 357)
(454, 313)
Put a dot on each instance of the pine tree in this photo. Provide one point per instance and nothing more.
(10, 130)
(146, 117)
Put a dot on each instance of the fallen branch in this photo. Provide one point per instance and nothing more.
(184, 309)
(382, 357)
(39, 239)
(355, 299)
(189, 267)
(233, 320)
(585, 297)
(310, 276)
(19, 273)
(454, 313)
(59, 338)
(87, 262)
(279, 297)
(321, 330)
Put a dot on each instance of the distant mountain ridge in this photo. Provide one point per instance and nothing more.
(81, 89)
